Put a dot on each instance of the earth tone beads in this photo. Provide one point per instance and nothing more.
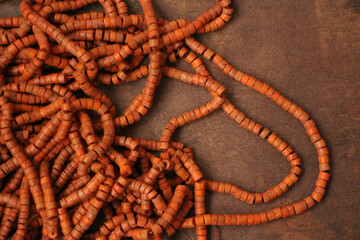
(64, 164)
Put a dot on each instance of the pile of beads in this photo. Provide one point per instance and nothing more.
(61, 170)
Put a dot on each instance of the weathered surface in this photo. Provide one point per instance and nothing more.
(310, 52)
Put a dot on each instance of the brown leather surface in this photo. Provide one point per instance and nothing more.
(309, 51)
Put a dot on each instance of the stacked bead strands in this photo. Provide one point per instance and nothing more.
(62, 170)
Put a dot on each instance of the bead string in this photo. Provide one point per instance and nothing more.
(59, 167)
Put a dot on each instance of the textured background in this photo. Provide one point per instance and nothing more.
(309, 51)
